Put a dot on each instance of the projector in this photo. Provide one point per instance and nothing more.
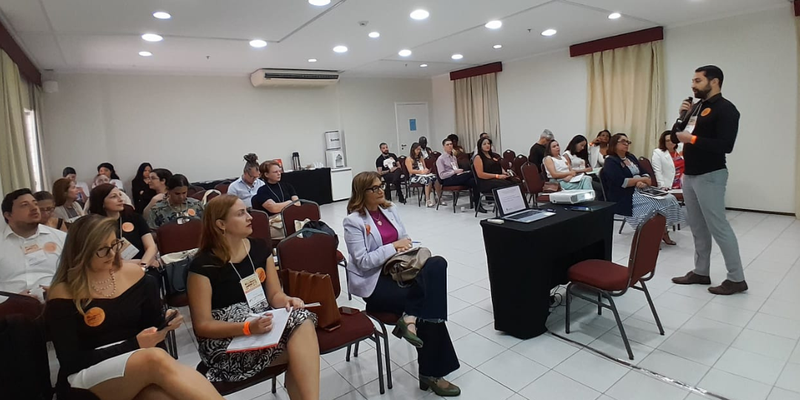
(572, 196)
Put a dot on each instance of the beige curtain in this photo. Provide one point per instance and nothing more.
(477, 110)
(37, 101)
(15, 168)
(626, 94)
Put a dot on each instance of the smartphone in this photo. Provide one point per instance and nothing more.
(168, 319)
(578, 208)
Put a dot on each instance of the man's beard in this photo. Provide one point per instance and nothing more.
(702, 94)
(386, 153)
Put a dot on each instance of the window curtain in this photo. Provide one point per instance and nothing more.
(37, 102)
(477, 110)
(626, 94)
(15, 165)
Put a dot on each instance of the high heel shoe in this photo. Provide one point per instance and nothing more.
(668, 241)
(402, 332)
(449, 390)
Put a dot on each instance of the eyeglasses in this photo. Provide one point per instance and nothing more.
(628, 142)
(46, 209)
(103, 252)
(380, 187)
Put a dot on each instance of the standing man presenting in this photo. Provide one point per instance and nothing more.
(708, 131)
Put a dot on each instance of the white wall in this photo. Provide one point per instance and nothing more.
(444, 110)
(202, 126)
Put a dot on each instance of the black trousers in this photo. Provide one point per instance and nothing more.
(426, 299)
(486, 185)
(393, 179)
(466, 179)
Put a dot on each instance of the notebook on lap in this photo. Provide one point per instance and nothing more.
(513, 207)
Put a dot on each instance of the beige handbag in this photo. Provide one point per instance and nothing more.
(404, 267)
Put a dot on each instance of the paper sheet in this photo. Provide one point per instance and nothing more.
(265, 340)
(577, 178)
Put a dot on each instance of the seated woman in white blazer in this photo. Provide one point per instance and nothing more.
(374, 233)
(667, 163)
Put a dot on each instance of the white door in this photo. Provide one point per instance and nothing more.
(412, 122)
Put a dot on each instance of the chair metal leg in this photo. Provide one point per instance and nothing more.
(355, 353)
(347, 357)
(274, 384)
(599, 304)
(385, 336)
(569, 303)
(652, 307)
(380, 362)
(619, 324)
(623, 225)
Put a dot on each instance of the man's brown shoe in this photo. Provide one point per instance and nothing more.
(692, 279)
(729, 287)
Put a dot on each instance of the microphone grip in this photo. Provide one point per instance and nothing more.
(681, 122)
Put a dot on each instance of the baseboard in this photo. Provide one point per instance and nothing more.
(762, 212)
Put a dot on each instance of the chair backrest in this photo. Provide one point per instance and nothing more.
(314, 253)
(603, 182)
(430, 162)
(647, 166)
(214, 193)
(180, 235)
(194, 189)
(533, 180)
(645, 247)
(435, 155)
(222, 187)
(293, 212)
(517, 164)
(509, 155)
(198, 195)
(260, 225)
(27, 306)
(403, 169)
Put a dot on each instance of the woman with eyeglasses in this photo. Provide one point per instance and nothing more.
(47, 205)
(105, 318)
(158, 183)
(273, 196)
(248, 184)
(177, 206)
(138, 242)
(374, 233)
(623, 177)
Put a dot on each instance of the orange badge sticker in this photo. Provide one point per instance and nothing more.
(262, 276)
(191, 212)
(705, 112)
(94, 317)
(50, 247)
(127, 227)
(369, 229)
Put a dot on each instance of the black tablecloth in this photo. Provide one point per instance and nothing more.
(314, 185)
(527, 260)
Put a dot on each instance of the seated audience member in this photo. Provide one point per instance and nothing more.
(559, 168)
(388, 166)
(66, 201)
(221, 311)
(450, 174)
(623, 176)
(104, 314)
(424, 149)
(668, 163)
(101, 179)
(578, 154)
(142, 194)
(489, 170)
(374, 233)
(83, 188)
(158, 182)
(108, 170)
(274, 196)
(132, 230)
(462, 156)
(477, 150)
(538, 152)
(176, 206)
(415, 164)
(248, 184)
(598, 149)
(29, 251)
(47, 204)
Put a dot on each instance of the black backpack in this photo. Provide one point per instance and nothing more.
(24, 367)
(321, 226)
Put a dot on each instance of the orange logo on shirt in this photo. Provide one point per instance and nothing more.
(50, 247)
(127, 227)
(705, 112)
(262, 276)
(191, 212)
(94, 317)
(369, 229)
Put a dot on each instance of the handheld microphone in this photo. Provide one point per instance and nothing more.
(679, 125)
(684, 114)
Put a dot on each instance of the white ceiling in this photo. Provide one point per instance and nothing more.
(211, 36)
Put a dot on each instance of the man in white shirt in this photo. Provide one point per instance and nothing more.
(29, 252)
(248, 184)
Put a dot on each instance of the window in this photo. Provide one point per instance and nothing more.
(32, 140)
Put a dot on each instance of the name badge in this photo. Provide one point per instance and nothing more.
(692, 123)
(34, 254)
(253, 291)
(129, 251)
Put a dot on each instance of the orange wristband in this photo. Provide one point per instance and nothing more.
(246, 329)
(694, 139)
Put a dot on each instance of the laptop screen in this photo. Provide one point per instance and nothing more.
(510, 200)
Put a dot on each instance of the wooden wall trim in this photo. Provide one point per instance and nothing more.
(476, 71)
(26, 67)
(616, 42)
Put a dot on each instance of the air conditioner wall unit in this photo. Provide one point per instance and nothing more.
(268, 77)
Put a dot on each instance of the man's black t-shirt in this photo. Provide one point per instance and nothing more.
(381, 161)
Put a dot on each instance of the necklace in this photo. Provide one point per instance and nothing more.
(273, 192)
(377, 217)
(110, 283)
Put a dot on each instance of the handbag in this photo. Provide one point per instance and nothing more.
(312, 288)
(551, 187)
(174, 271)
(404, 267)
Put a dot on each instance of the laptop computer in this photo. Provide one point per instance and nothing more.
(513, 207)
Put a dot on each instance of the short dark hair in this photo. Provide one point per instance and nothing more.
(662, 140)
(446, 140)
(8, 201)
(382, 144)
(97, 198)
(453, 137)
(163, 174)
(67, 171)
(43, 195)
(712, 72)
(176, 181)
(572, 148)
(110, 167)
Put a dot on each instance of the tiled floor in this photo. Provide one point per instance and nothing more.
(742, 347)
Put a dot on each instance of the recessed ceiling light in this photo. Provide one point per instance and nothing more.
(374, 35)
(420, 14)
(615, 15)
(497, 46)
(312, 60)
(340, 49)
(145, 53)
(549, 32)
(162, 15)
(494, 24)
(319, 3)
(258, 43)
(404, 53)
(423, 65)
(457, 56)
(152, 37)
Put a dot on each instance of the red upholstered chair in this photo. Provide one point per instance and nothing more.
(455, 190)
(609, 280)
(194, 189)
(534, 183)
(647, 166)
(226, 388)
(198, 195)
(261, 227)
(517, 164)
(223, 187)
(19, 304)
(508, 157)
(291, 213)
(403, 177)
(175, 237)
(317, 253)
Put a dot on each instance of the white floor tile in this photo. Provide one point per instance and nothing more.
(783, 394)
(711, 330)
(471, 294)
(472, 318)
(591, 370)
(635, 385)
(734, 386)
(404, 387)
(477, 386)
(475, 349)
(790, 378)
(498, 337)
(723, 313)
(692, 348)
(454, 304)
(611, 344)
(744, 300)
(354, 395)
(754, 366)
(512, 370)
(361, 369)
(672, 366)
(553, 385)
(545, 350)
(765, 344)
(456, 331)
(778, 326)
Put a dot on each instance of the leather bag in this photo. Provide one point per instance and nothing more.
(312, 288)
(404, 267)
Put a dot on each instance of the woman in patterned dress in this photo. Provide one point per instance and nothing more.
(415, 164)
(220, 311)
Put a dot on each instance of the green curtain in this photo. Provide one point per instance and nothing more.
(15, 167)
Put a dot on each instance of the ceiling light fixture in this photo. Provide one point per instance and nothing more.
(340, 49)
(549, 32)
(614, 15)
(374, 35)
(258, 43)
(145, 53)
(152, 37)
(497, 46)
(312, 60)
(162, 15)
(457, 56)
(420, 14)
(404, 53)
(494, 24)
(423, 65)
(319, 3)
